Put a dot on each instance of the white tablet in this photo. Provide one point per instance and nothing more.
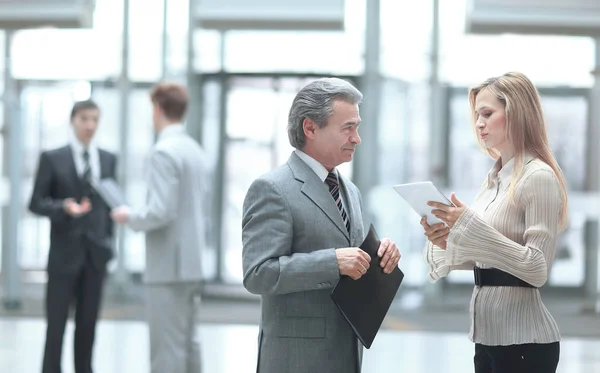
(418, 194)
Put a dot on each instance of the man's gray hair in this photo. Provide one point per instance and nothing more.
(315, 101)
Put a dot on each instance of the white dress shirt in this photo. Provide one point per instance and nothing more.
(78, 148)
(321, 172)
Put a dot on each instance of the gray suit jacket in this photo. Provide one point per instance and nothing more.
(290, 229)
(173, 217)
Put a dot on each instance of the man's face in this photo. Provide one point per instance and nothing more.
(85, 123)
(336, 142)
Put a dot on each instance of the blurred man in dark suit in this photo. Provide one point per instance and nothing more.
(80, 238)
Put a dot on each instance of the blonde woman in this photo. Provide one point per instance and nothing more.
(507, 237)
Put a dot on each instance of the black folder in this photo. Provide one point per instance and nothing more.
(365, 302)
(110, 192)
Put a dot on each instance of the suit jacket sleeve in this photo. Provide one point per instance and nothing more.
(113, 173)
(270, 266)
(163, 189)
(42, 201)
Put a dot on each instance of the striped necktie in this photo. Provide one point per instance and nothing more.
(86, 177)
(87, 169)
(334, 189)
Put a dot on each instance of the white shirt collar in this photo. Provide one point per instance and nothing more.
(78, 146)
(171, 129)
(315, 165)
(504, 173)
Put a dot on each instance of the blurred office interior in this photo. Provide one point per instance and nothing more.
(243, 61)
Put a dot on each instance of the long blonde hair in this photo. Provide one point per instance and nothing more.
(525, 127)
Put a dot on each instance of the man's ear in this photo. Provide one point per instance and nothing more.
(310, 127)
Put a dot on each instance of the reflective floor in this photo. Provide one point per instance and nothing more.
(122, 346)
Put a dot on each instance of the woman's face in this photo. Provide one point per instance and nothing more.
(491, 121)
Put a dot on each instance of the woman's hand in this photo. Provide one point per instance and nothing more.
(448, 214)
(437, 234)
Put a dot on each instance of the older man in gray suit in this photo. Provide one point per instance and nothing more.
(302, 223)
(173, 220)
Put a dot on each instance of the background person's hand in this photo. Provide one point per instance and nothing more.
(120, 214)
(75, 209)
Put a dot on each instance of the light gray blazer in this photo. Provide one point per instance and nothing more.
(173, 218)
(290, 229)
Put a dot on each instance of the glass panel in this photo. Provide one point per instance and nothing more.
(239, 176)
(211, 111)
(72, 54)
(145, 17)
(406, 39)
(4, 182)
(292, 51)
(250, 122)
(207, 51)
(467, 58)
(177, 27)
(251, 116)
(2, 61)
(402, 140)
(108, 136)
(140, 140)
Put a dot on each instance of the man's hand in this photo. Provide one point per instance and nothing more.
(389, 254)
(75, 209)
(120, 214)
(352, 262)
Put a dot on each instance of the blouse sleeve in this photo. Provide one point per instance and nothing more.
(473, 239)
(435, 258)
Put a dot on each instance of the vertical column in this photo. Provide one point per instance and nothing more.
(592, 286)
(366, 162)
(124, 92)
(165, 40)
(194, 84)
(437, 140)
(13, 166)
(437, 144)
(220, 177)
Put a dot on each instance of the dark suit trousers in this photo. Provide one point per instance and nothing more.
(85, 289)
(524, 358)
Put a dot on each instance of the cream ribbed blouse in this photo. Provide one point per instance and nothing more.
(518, 238)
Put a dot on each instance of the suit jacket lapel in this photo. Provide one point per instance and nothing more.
(70, 163)
(317, 192)
(104, 166)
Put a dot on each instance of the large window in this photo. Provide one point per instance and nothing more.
(254, 110)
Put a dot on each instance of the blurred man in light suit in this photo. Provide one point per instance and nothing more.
(173, 219)
(301, 226)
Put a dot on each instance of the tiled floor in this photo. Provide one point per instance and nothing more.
(122, 347)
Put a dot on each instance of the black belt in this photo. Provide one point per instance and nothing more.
(496, 277)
